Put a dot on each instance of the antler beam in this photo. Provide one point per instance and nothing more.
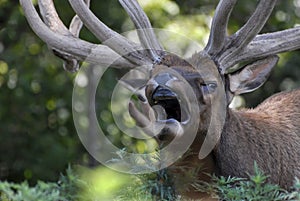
(265, 45)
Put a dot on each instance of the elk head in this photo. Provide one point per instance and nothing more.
(167, 89)
(213, 90)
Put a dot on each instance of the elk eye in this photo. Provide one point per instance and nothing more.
(208, 87)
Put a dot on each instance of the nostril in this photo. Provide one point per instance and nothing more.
(162, 93)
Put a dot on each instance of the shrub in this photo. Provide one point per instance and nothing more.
(148, 187)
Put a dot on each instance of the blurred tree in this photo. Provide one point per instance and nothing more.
(37, 135)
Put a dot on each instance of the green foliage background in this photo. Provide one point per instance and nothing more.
(37, 134)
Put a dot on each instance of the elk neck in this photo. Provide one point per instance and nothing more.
(262, 135)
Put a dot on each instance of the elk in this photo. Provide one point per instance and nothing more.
(268, 134)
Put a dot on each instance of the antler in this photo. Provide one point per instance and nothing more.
(144, 28)
(66, 44)
(245, 44)
(52, 20)
(218, 33)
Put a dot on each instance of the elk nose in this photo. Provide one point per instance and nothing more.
(162, 93)
(163, 78)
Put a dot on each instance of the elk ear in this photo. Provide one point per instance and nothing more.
(252, 76)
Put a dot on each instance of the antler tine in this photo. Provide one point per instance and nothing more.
(144, 28)
(75, 27)
(51, 19)
(76, 23)
(218, 33)
(248, 32)
(265, 45)
(71, 45)
(112, 39)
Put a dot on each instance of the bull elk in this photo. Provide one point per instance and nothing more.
(268, 134)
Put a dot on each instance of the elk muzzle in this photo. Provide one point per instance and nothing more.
(169, 103)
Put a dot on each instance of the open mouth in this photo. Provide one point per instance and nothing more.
(175, 113)
(169, 101)
(171, 107)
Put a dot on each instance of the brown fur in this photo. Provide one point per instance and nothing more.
(182, 169)
(268, 134)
